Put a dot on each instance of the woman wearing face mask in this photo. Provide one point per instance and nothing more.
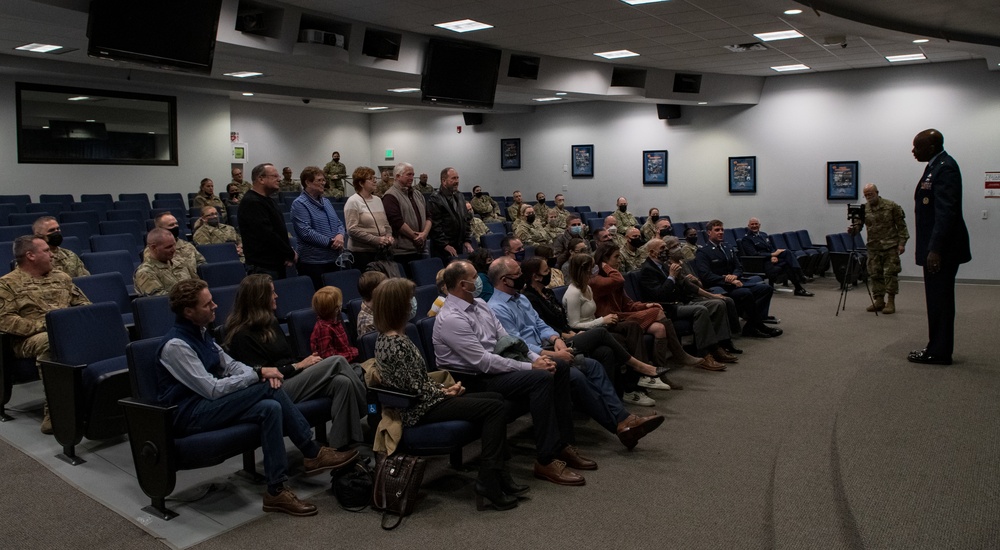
(690, 245)
(649, 228)
(206, 197)
(254, 337)
(400, 365)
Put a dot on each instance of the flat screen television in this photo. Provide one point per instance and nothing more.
(457, 73)
(174, 34)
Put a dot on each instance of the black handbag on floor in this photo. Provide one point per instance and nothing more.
(397, 482)
(353, 486)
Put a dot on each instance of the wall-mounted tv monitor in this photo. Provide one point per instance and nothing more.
(457, 73)
(175, 34)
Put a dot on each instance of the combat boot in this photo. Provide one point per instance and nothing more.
(879, 305)
(890, 304)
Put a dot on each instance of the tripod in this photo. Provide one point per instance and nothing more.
(853, 259)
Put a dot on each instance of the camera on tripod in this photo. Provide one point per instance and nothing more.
(856, 214)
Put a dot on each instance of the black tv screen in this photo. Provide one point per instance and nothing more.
(174, 34)
(462, 74)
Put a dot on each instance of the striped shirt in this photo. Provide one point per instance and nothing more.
(316, 224)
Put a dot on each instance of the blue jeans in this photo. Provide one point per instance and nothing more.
(593, 390)
(270, 409)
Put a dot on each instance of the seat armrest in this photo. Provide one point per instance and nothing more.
(393, 398)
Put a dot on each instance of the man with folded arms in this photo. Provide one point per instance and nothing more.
(466, 334)
(211, 390)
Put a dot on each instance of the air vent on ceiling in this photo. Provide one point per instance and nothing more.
(748, 47)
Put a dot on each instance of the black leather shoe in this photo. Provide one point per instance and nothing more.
(802, 292)
(728, 346)
(772, 320)
(510, 487)
(488, 490)
(927, 359)
(751, 332)
(918, 352)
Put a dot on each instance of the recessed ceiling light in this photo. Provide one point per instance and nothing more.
(778, 35)
(907, 57)
(45, 127)
(465, 25)
(79, 98)
(640, 2)
(560, 93)
(403, 90)
(785, 68)
(247, 94)
(792, 12)
(39, 48)
(616, 54)
(90, 120)
(153, 133)
(243, 74)
(921, 41)
(702, 103)
(541, 99)
(375, 108)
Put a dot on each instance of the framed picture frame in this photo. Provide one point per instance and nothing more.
(842, 180)
(742, 174)
(654, 168)
(510, 154)
(582, 160)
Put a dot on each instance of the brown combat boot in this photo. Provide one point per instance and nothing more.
(890, 304)
(879, 305)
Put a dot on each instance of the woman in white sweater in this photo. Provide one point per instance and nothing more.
(368, 231)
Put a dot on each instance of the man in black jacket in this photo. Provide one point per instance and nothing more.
(451, 232)
(265, 237)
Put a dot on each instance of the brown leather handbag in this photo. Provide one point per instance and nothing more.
(397, 482)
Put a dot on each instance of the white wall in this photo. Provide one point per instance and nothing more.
(203, 150)
(802, 122)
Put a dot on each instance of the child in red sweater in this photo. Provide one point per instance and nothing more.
(328, 336)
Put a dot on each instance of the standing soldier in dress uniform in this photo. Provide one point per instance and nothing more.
(887, 236)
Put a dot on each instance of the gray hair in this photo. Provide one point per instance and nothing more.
(398, 169)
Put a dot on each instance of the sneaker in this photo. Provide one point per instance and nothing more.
(651, 383)
(638, 398)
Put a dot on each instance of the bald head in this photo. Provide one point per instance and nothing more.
(926, 144)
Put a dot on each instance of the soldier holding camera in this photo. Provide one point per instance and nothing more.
(887, 236)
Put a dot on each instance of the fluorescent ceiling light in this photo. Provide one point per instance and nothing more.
(702, 103)
(243, 74)
(560, 93)
(616, 54)
(247, 94)
(375, 108)
(79, 98)
(39, 48)
(640, 2)
(465, 25)
(403, 90)
(921, 41)
(90, 120)
(547, 99)
(792, 12)
(778, 35)
(907, 57)
(785, 68)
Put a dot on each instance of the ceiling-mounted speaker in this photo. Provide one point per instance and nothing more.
(686, 83)
(523, 66)
(668, 112)
(381, 44)
(472, 119)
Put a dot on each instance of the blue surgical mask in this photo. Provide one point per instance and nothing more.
(413, 307)
(575, 229)
(478, 283)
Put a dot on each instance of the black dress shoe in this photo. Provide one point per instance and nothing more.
(510, 487)
(927, 359)
(772, 320)
(751, 332)
(802, 292)
(728, 346)
(771, 331)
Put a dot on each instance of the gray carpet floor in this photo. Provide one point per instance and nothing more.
(823, 438)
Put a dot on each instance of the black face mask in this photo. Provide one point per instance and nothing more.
(479, 194)
(654, 218)
(546, 279)
(665, 232)
(214, 222)
(54, 239)
(664, 256)
(691, 239)
(622, 207)
(636, 242)
(518, 283)
(541, 200)
(176, 232)
(530, 218)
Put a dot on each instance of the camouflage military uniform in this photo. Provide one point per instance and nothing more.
(625, 219)
(69, 263)
(619, 238)
(689, 250)
(185, 253)
(563, 216)
(648, 230)
(514, 212)
(478, 228)
(383, 186)
(487, 208)
(531, 234)
(336, 189)
(886, 232)
(292, 186)
(554, 232)
(155, 278)
(201, 201)
(243, 185)
(426, 189)
(206, 234)
(24, 301)
(632, 260)
(541, 210)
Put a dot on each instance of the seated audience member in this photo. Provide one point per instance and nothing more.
(287, 183)
(366, 286)
(206, 197)
(602, 236)
(634, 251)
(662, 280)
(209, 230)
(513, 248)
(608, 286)
(555, 226)
(185, 252)
(442, 290)
(233, 194)
(576, 246)
(27, 293)
(408, 212)
(65, 260)
(560, 210)
(592, 387)
(254, 337)
(649, 228)
(780, 263)
(238, 180)
(328, 335)
(541, 209)
(545, 253)
(719, 268)
(529, 229)
(484, 205)
(476, 225)
(690, 245)
(664, 228)
(615, 233)
(211, 390)
(481, 260)
(319, 232)
(401, 366)
(623, 216)
(514, 210)
(368, 230)
(688, 272)
(574, 230)
(160, 271)
(466, 338)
